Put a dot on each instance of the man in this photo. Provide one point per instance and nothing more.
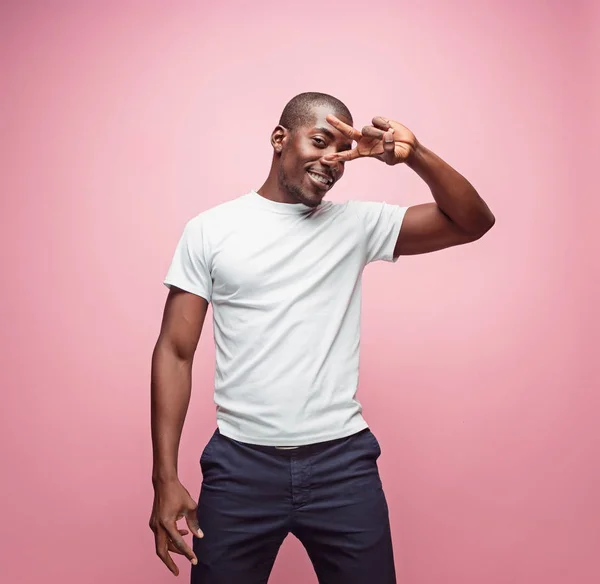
(283, 268)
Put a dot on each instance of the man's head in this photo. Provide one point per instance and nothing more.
(301, 139)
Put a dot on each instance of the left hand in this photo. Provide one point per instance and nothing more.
(386, 140)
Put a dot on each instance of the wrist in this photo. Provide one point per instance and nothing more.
(415, 158)
(162, 477)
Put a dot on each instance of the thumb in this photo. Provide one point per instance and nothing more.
(389, 146)
(192, 522)
(343, 156)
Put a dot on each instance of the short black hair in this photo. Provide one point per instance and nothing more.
(298, 111)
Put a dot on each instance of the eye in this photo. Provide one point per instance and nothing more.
(319, 142)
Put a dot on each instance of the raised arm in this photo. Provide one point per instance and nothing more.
(458, 215)
(171, 383)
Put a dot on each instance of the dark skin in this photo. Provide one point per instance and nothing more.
(307, 163)
(458, 214)
(301, 151)
(171, 385)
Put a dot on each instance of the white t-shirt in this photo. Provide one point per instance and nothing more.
(285, 284)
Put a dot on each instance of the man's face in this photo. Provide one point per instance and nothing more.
(302, 173)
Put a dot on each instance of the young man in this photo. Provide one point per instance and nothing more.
(283, 268)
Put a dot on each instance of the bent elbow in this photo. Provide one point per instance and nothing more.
(484, 224)
(489, 223)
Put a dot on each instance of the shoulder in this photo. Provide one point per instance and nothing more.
(353, 209)
(218, 216)
(358, 206)
(374, 209)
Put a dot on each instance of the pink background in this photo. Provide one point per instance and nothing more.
(121, 120)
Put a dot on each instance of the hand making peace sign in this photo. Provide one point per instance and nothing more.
(386, 140)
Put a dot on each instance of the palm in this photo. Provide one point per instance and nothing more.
(370, 142)
(403, 143)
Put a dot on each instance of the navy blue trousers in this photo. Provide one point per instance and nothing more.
(328, 495)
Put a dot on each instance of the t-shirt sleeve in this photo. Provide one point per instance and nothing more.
(381, 223)
(190, 267)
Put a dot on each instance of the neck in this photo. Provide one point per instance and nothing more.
(272, 190)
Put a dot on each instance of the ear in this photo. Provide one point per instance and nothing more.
(278, 138)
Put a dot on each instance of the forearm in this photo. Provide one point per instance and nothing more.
(453, 193)
(171, 384)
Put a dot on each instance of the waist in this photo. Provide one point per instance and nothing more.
(294, 450)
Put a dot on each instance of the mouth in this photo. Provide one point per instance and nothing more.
(320, 179)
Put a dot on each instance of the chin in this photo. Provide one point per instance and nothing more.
(306, 197)
(312, 201)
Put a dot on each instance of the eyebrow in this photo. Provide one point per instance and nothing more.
(325, 131)
(331, 136)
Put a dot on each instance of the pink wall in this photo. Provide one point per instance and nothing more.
(121, 120)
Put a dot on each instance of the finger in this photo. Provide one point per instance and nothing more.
(171, 545)
(162, 551)
(345, 129)
(344, 156)
(175, 550)
(180, 544)
(381, 123)
(192, 522)
(371, 132)
(389, 146)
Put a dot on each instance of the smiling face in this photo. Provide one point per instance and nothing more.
(302, 174)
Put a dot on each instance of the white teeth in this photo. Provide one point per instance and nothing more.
(320, 178)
